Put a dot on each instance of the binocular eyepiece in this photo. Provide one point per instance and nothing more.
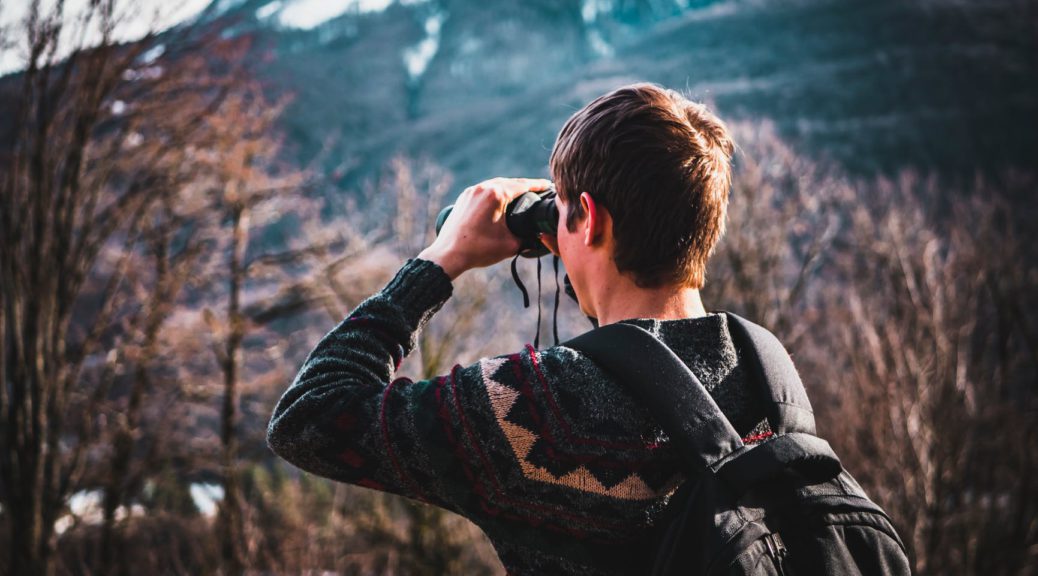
(527, 216)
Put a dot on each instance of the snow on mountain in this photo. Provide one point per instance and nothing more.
(307, 14)
(417, 57)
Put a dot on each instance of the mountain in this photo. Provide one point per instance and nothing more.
(483, 86)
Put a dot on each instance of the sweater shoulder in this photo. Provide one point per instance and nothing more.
(576, 435)
(590, 398)
(560, 393)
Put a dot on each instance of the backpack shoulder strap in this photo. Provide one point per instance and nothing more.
(662, 384)
(677, 400)
(769, 365)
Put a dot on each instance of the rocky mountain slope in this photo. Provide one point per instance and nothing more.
(483, 86)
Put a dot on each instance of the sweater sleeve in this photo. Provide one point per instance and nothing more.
(530, 445)
(344, 417)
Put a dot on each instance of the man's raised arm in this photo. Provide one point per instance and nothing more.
(334, 419)
(345, 418)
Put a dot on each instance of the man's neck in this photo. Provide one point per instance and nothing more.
(622, 299)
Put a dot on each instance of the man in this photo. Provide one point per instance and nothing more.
(552, 458)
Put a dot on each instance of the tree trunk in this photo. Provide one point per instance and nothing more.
(231, 522)
(28, 448)
(121, 475)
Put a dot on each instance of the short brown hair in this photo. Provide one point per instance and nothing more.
(661, 165)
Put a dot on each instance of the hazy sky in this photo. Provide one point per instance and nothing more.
(160, 14)
(147, 14)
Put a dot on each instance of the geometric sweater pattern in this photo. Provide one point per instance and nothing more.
(545, 452)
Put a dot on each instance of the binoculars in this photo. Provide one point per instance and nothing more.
(527, 216)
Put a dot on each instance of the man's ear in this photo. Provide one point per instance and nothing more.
(597, 218)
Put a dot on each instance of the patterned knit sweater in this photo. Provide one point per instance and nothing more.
(553, 459)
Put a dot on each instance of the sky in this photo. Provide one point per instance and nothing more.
(147, 14)
(159, 15)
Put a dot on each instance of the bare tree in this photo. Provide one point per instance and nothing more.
(936, 335)
(172, 267)
(98, 139)
(246, 189)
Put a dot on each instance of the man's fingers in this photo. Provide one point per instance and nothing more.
(507, 189)
(534, 183)
(504, 190)
(514, 186)
(540, 184)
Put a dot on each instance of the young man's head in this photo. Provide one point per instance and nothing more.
(659, 166)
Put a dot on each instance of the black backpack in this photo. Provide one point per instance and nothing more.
(781, 506)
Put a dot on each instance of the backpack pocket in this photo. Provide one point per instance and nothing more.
(766, 556)
(853, 543)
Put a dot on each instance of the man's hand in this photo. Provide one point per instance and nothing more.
(475, 234)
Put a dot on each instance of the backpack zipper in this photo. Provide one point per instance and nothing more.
(777, 550)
